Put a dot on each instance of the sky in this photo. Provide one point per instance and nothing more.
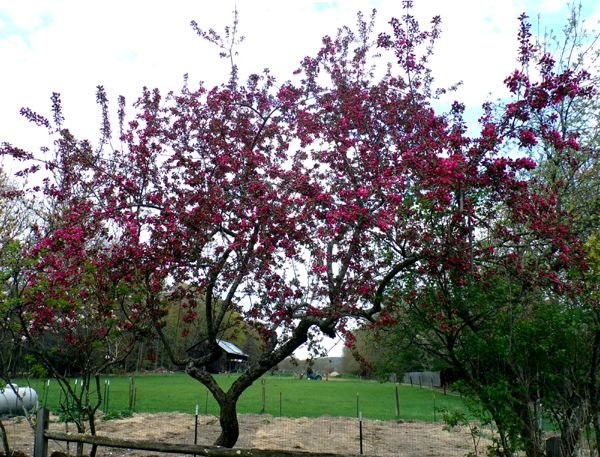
(71, 46)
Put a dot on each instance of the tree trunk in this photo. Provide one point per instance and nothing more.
(228, 400)
(230, 429)
(140, 358)
(594, 389)
(569, 441)
(4, 439)
(80, 429)
(596, 422)
(92, 423)
(227, 403)
(530, 431)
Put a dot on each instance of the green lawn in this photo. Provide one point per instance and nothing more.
(296, 397)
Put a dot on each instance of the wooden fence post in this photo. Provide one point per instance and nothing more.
(40, 444)
(397, 400)
(263, 383)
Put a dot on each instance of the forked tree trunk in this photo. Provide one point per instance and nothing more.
(230, 429)
(228, 420)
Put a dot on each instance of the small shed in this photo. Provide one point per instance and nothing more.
(231, 358)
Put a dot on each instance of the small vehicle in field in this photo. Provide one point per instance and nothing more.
(312, 375)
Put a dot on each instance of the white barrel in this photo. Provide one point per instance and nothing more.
(12, 404)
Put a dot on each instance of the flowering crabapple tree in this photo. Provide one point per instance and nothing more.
(78, 302)
(557, 111)
(295, 206)
(514, 324)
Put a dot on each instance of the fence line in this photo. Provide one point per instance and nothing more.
(42, 435)
(422, 378)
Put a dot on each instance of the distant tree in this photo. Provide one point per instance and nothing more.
(291, 365)
(383, 351)
(349, 363)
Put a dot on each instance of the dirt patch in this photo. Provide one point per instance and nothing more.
(339, 435)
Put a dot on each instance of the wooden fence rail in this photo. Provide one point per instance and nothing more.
(42, 435)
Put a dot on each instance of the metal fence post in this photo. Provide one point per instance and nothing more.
(40, 444)
(360, 432)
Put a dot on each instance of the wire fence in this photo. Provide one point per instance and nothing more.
(339, 435)
(422, 378)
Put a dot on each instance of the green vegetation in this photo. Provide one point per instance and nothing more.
(299, 397)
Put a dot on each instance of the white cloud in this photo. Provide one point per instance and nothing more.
(71, 46)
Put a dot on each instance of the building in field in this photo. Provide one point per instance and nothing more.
(231, 358)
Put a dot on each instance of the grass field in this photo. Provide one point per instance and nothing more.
(287, 396)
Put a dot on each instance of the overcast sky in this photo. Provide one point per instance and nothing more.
(71, 46)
